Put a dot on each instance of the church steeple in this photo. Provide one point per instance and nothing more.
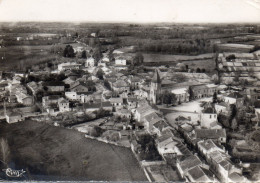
(155, 88)
(156, 77)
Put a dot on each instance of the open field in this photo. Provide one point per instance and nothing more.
(14, 56)
(53, 151)
(174, 58)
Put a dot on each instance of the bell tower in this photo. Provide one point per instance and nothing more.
(155, 88)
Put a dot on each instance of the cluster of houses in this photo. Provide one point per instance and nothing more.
(132, 99)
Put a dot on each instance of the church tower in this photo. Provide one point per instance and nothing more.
(155, 88)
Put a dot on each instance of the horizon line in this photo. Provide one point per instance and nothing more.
(124, 22)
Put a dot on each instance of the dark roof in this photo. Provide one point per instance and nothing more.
(209, 110)
(53, 83)
(132, 99)
(207, 144)
(160, 125)
(98, 105)
(54, 97)
(235, 95)
(210, 133)
(196, 173)
(156, 77)
(198, 87)
(189, 162)
(183, 149)
(77, 83)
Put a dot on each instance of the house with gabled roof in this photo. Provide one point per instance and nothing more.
(199, 174)
(54, 86)
(199, 91)
(63, 105)
(207, 146)
(34, 87)
(186, 163)
(222, 108)
(221, 165)
(123, 113)
(207, 116)
(150, 120)
(159, 127)
(79, 86)
(142, 111)
(48, 100)
(116, 101)
(13, 117)
(182, 94)
(218, 135)
(235, 98)
(24, 98)
(120, 86)
(70, 80)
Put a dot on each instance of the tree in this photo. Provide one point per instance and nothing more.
(198, 70)
(96, 131)
(107, 84)
(84, 54)
(5, 151)
(215, 98)
(233, 111)
(138, 59)
(230, 57)
(168, 98)
(100, 74)
(234, 124)
(97, 54)
(68, 51)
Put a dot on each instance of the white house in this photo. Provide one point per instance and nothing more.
(207, 117)
(120, 62)
(90, 62)
(222, 108)
(182, 94)
(24, 98)
(68, 66)
(105, 59)
(63, 105)
(13, 117)
(234, 98)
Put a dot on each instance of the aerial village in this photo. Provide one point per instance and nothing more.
(180, 124)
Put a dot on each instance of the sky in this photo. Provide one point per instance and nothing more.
(140, 11)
